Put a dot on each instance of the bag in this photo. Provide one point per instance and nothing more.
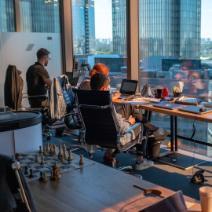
(147, 91)
(73, 120)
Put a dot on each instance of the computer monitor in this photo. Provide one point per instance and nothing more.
(128, 87)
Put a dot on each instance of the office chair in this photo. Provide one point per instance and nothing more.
(14, 191)
(100, 123)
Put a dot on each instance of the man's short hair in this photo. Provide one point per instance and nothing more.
(98, 80)
(42, 52)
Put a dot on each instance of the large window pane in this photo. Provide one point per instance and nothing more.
(99, 34)
(175, 39)
(40, 16)
(7, 16)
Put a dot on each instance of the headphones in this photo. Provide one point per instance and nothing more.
(198, 177)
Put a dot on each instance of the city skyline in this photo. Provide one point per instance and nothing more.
(103, 17)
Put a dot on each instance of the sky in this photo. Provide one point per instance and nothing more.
(206, 22)
(103, 19)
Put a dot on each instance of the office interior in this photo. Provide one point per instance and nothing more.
(117, 112)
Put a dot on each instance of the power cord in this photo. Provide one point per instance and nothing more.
(194, 144)
(197, 177)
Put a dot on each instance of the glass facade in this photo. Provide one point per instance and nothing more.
(119, 26)
(170, 51)
(92, 42)
(169, 29)
(40, 16)
(7, 20)
(84, 26)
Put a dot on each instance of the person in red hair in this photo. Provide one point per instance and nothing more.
(98, 68)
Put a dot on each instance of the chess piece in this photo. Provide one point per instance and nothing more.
(60, 153)
(55, 174)
(17, 156)
(37, 159)
(81, 161)
(26, 170)
(70, 156)
(48, 148)
(64, 152)
(54, 149)
(114, 163)
(45, 151)
(42, 159)
(31, 174)
(43, 177)
(40, 150)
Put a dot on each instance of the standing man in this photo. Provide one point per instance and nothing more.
(38, 80)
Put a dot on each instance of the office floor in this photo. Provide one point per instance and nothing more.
(161, 174)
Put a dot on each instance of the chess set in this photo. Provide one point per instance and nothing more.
(50, 162)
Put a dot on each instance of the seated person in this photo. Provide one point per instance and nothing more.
(38, 80)
(101, 82)
(98, 68)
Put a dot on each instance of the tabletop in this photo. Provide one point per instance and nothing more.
(207, 117)
(97, 188)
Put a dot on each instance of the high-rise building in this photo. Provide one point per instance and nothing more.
(40, 16)
(7, 21)
(83, 26)
(119, 26)
(170, 29)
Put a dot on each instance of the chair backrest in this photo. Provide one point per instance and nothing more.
(97, 114)
(90, 97)
(174, 203)
(100, 126)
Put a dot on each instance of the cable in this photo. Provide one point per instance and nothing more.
(194, 144)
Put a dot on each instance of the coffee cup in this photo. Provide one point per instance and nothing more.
(206, 198)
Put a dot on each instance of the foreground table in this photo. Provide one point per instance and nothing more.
(96, 188)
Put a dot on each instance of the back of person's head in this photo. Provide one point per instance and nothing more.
(99, 82)
(100, 68)
(42, 52)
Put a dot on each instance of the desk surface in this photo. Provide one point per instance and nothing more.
(96, 188)
(207, 117)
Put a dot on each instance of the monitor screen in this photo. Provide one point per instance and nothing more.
(128, 86)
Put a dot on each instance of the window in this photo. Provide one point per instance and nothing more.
(7, 23)
(99, 35)
(40, 16)
(175, 45)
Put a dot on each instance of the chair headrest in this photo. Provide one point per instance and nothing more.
(90, 97)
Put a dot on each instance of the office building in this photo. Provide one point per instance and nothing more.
(40, 16)
(171, 31)
(7, 22)
(119, 26)
(84, 25)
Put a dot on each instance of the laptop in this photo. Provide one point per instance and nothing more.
(128, 88)
(195, 109)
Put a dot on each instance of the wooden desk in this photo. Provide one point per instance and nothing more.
(174, 114)
(96, 188)
(207, 117)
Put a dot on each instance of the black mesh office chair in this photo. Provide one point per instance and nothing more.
(100, 123)
(14, 191)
